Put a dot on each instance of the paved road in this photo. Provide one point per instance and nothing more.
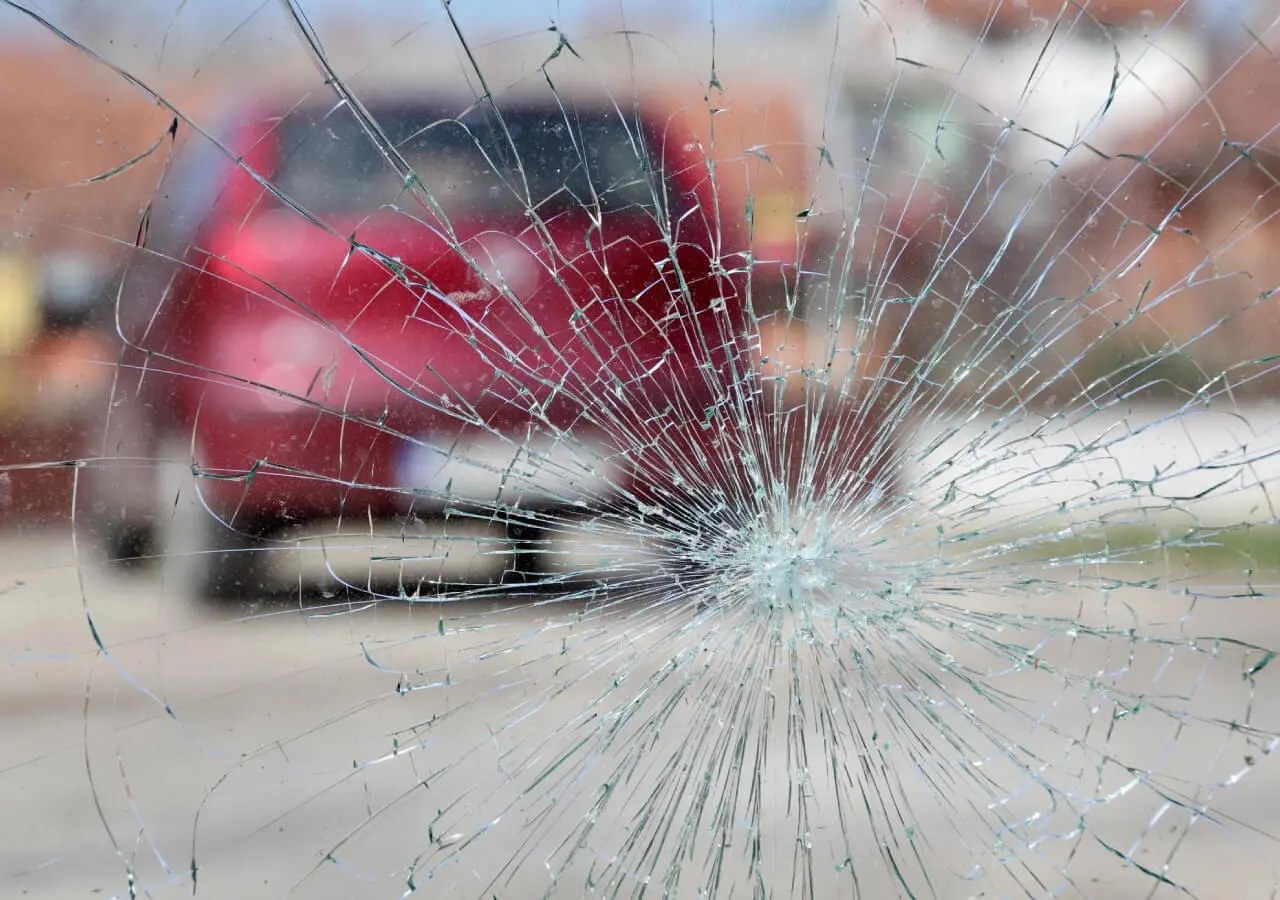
(260, 744)
(276, 747)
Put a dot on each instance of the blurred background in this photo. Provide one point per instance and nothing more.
(1005, 207)
(1112, 136)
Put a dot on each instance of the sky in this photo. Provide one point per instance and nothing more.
(487, 15)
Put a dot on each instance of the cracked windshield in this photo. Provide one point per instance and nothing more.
(609, 448)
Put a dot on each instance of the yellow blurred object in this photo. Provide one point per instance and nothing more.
(19, 303)
(775, 224)
(20, 320)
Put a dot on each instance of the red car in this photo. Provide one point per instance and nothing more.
(482, 308)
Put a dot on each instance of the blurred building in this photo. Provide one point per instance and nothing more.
(1177, 224)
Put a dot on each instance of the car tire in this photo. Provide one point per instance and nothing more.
(118, 484)
(542, 541)
(130, 545)
(232, 565)
(529, 560)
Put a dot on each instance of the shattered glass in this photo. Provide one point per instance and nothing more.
(758, 449)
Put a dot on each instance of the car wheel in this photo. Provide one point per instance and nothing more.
(529, 564)
(575, 550)
(130, 545)
(233, 564)
(118, 484)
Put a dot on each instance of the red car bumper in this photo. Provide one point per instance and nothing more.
(269, 468)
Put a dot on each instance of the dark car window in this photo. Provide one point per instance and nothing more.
(477, 165)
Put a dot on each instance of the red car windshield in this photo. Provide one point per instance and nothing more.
(547, 160)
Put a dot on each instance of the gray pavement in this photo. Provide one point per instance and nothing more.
(260, 744)
(275, 746)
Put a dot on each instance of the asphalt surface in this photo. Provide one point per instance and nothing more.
(248, 741)
(273, 750)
